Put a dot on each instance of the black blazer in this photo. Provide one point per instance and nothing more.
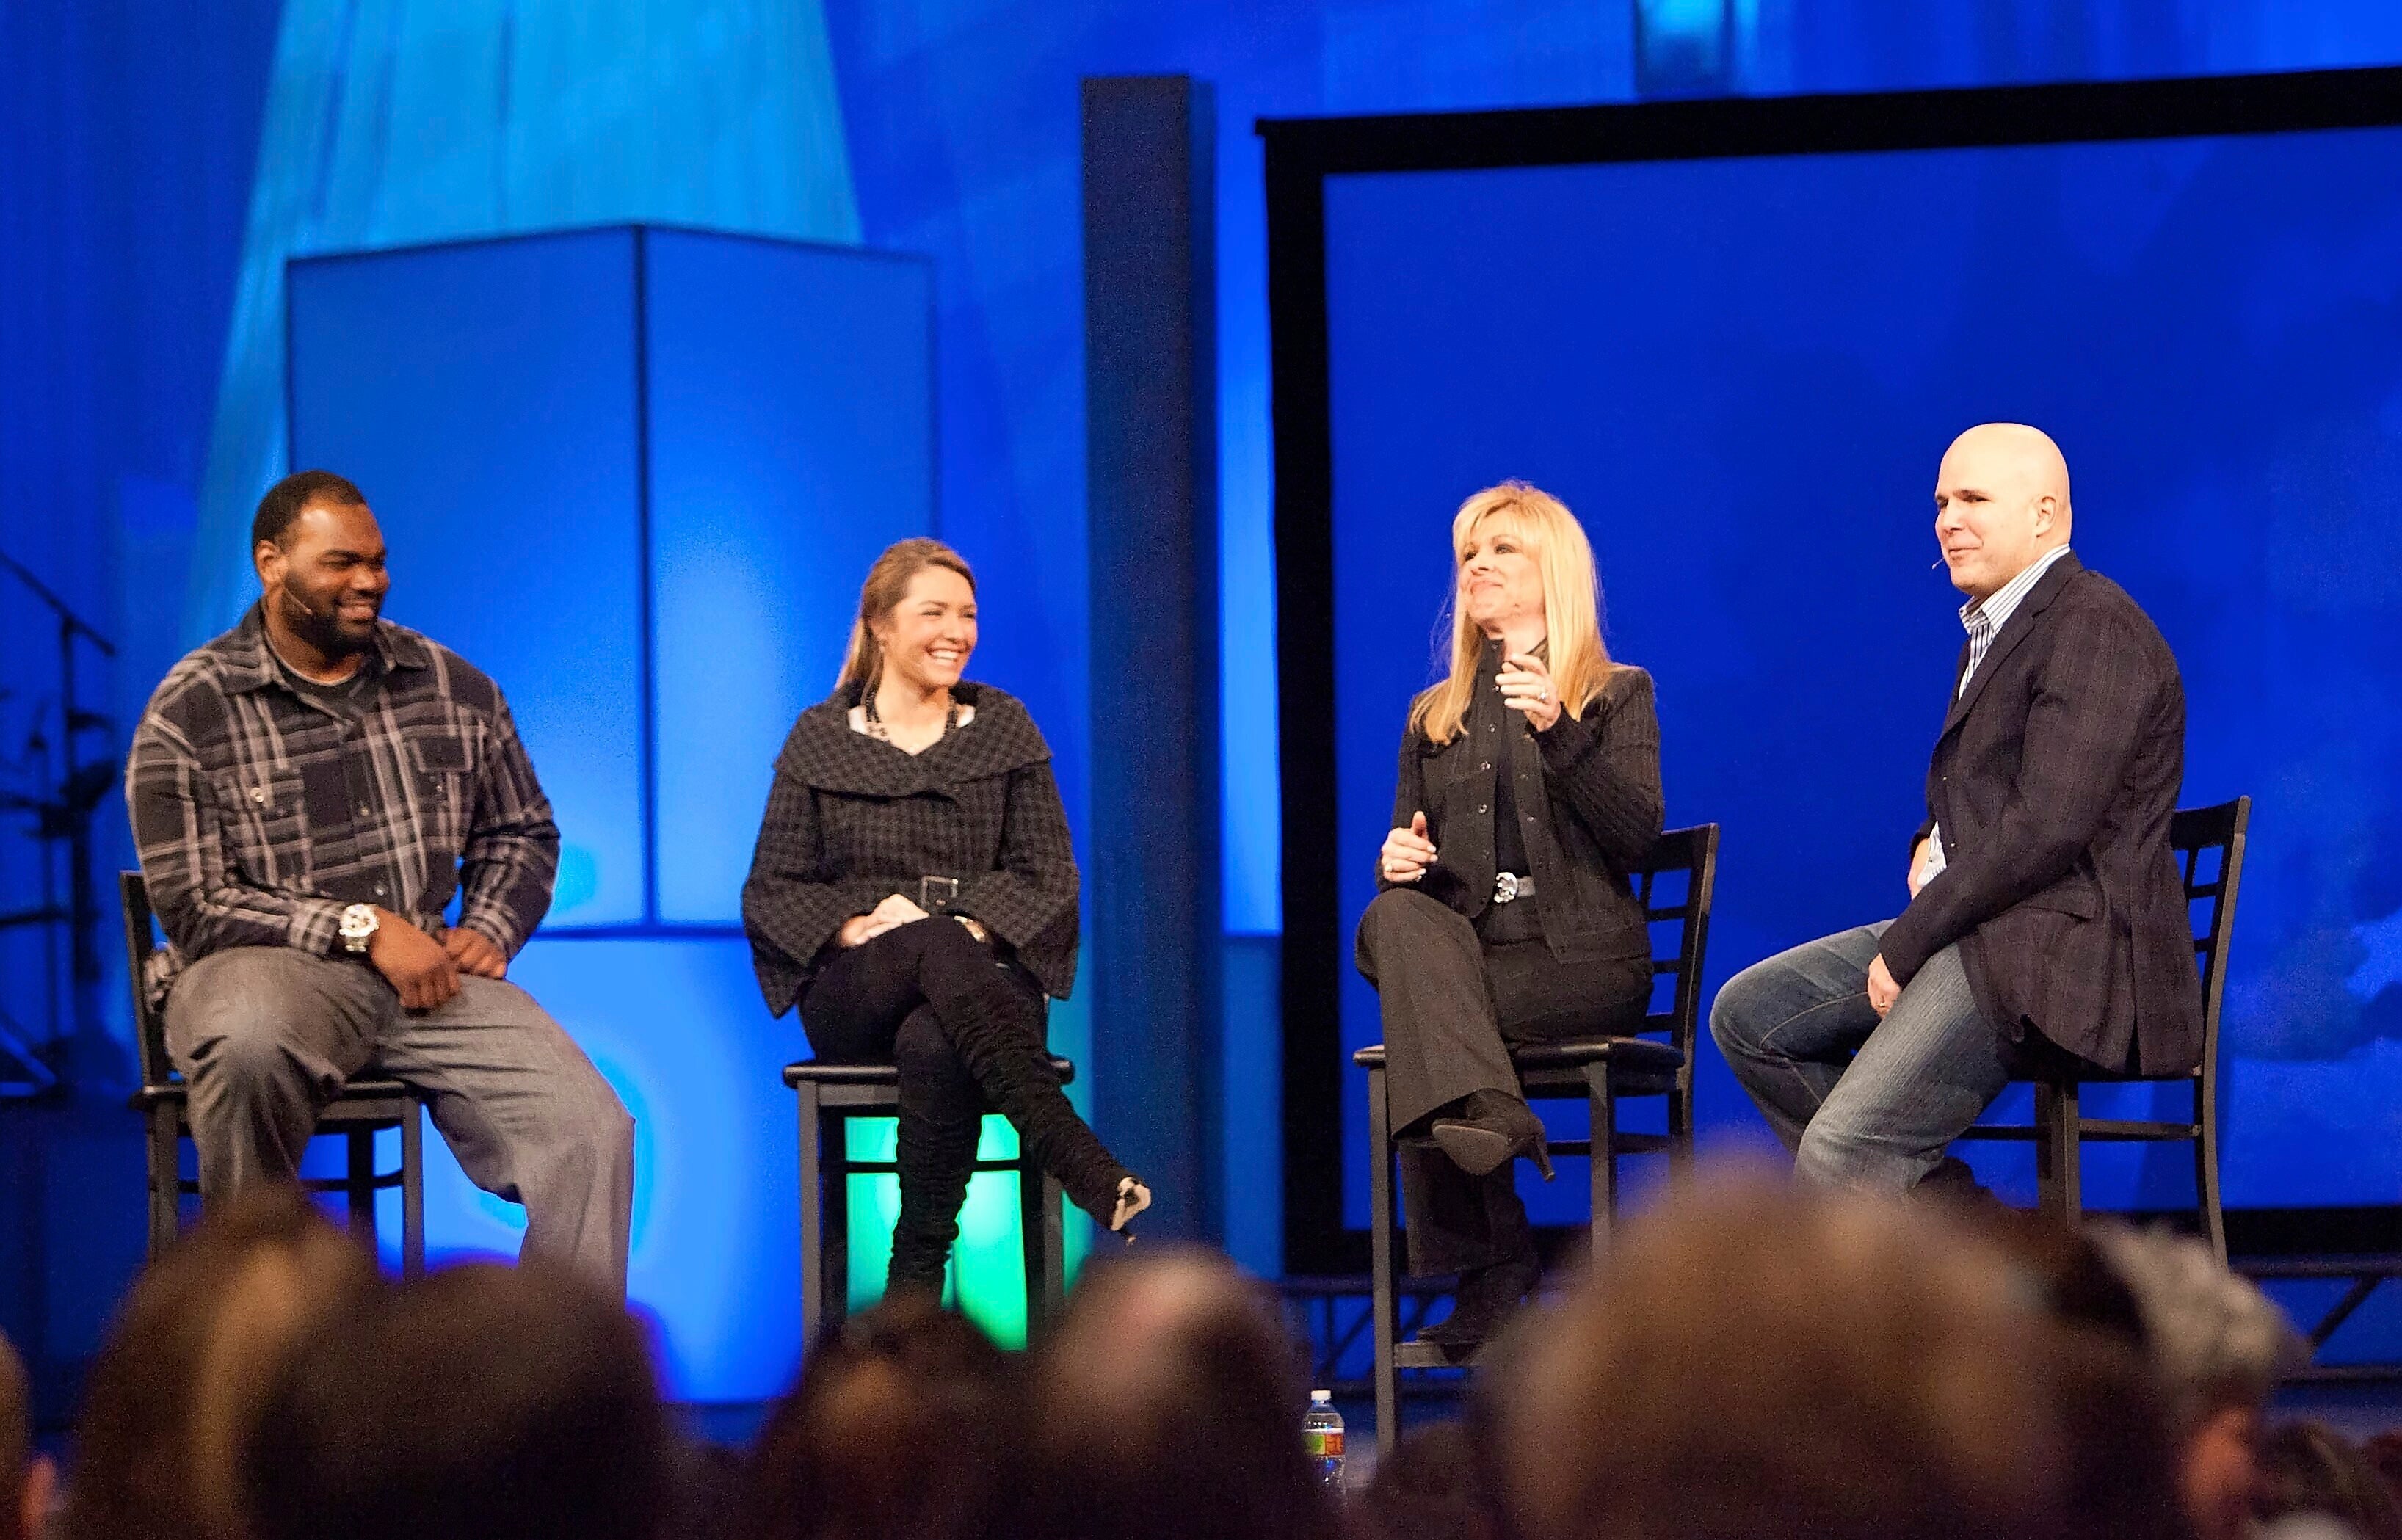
(2053, 779)
(852, 820)
(1592, 789)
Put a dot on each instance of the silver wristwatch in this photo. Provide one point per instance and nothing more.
(358, 928)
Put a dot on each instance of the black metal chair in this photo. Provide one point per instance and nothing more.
(1602, 1071)
(2209, 845)
(830, 1094)
(357, 1114)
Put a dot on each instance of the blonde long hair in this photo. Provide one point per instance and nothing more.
(1579, 660)
(886, 586)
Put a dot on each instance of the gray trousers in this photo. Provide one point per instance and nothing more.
(1452, 1004)
(265, 1035)
(1860, 1102)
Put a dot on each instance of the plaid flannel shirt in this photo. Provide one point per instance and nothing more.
(259, 814)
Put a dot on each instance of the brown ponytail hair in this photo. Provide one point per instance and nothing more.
(887, 584)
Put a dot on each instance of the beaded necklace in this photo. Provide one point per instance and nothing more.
(874, 725)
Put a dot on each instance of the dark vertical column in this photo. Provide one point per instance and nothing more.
(1151, 455)
(1314, 953)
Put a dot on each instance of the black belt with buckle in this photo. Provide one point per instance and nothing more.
(1509, 887)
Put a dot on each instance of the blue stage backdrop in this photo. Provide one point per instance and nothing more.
(636, 475)
(1741, 373)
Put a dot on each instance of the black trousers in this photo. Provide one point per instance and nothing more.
(1453, 1002)
(963, 1030)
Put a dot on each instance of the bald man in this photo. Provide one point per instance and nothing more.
(2047, 923)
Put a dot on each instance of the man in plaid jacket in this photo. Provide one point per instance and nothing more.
(309, 792)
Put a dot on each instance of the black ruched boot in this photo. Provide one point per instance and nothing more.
(936, 1157)
(986, 1022)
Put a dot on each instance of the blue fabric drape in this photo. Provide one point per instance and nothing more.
(394, 122)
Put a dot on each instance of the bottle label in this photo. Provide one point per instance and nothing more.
(1323, 1443)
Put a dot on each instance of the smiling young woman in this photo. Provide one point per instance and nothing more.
(909, 647)
(914, 892)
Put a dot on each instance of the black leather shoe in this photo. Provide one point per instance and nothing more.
(1498, 1130)
(1487, 1297)
(1952, 1182)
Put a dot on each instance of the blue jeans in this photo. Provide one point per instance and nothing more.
(1860, 1102)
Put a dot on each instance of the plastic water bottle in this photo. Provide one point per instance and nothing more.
(1321, 1436)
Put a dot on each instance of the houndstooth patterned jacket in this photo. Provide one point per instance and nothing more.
(852, 820)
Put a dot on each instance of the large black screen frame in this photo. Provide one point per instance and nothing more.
(1301, 153)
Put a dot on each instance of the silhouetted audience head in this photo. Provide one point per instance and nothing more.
(481, 1403)
(178, 1386)
(2071, 1274)
(1167, 1404)
(24, 1477)
(2218, 1347)
(2122, 1458)
(2308, 1467)
(900, 1429)
(1760, 1361)
(1430, 1486)
(2383, 1450)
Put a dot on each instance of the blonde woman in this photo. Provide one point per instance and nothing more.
(1529, 784)
(914, 892)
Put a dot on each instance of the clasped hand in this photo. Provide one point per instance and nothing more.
(892, 914)
(1526, 686)
(424, 971)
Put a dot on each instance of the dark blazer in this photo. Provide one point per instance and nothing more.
(1592, 788)
(852, 820)
(2053, 780)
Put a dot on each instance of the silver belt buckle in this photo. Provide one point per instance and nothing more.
(1505, 888)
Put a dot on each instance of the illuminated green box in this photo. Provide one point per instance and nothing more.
(988, 1274)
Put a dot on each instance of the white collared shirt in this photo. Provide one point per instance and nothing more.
(1983, 620)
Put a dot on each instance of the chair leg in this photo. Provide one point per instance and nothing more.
(1382, 1303)
(412, 1190)
(2205, 1165)
(1054, 1253)
(1680, 1135)
(2057, 1150)
(835, 1237)
(166, 1163)
(1030, 1237)
(812, 1219)
(1602, 1101)
(358, 1185)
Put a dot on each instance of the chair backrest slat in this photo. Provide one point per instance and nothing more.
(1693, 851)
(2193, 832)
(140, 943)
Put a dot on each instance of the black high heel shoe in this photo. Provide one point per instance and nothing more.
(1498, 1130)
(1486, 1297)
